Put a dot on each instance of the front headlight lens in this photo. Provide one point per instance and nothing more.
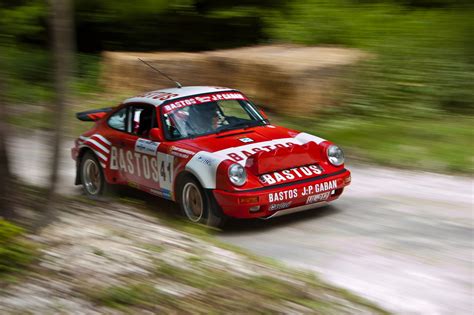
(237, 174)
(335, 155)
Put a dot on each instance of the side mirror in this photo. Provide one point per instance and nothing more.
(156, 135)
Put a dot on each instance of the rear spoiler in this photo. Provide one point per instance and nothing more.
(94, 114)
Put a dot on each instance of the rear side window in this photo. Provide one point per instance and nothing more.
(118, 120)
(141, 118)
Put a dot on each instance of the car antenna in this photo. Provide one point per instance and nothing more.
(178, 85)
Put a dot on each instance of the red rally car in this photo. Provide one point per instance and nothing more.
(211, 150)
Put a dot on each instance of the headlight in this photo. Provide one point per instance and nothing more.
(335, 155)
(237, 174)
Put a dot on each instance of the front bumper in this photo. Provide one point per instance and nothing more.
(270, 201)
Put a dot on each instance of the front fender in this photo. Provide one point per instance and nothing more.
(203, 165)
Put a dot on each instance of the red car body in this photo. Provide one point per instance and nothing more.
(286, 170)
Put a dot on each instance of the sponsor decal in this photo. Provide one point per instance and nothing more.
(157, 95)
(279, 206)
(158, 168)
(206, 160)
(202, 99)
(291, 174)
(146, 146)
(283, 195)
(309, 190)
(134, 163)
(321, 187)
(180, 152)
(240, 154)
(99, 144)
(318, 197)
(246, 140)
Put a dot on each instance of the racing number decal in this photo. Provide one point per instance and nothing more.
(166, 165)
(163, 171)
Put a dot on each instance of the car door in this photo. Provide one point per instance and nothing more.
(136, 160)
(132, 156)
(137, 153)
(154, 163)
(157, 165)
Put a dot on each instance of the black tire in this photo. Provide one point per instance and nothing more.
(92, 176)
(198, 205)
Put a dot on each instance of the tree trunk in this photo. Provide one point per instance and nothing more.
(62, 34)
(6, 182)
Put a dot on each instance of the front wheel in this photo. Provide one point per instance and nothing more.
(92, 176)
(197, 205)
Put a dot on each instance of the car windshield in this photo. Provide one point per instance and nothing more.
(191, 118)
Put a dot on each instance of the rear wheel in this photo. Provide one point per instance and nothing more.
(92, 176)
(198, 205)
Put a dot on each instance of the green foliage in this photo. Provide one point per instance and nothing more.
(127, 295)
(422, 62)
(411, 104)
(22, 20)
(428, 144)
(168, 25)
(29, 75)
(216, 290)
(15, 253)
(421, 72)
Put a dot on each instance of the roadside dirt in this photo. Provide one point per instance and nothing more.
(402, 239)
(109, 258)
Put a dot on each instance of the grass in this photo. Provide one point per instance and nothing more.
(427, 144)
(412, 104)
(29, 78)
(138, 294)
(218, 291)
(15, 252)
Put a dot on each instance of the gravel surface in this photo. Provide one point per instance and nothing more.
(403, 239)
(112, 258)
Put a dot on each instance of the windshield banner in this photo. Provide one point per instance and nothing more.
(205, 98)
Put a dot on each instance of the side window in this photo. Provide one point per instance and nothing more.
(141, 119)
(118, 119)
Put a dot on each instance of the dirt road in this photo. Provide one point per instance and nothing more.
(402, 239)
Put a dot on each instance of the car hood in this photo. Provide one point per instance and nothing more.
(239, 138)
(262, 150)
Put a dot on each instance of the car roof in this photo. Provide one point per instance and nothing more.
(159, 97)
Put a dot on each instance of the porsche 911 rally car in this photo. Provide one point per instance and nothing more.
(212, 151)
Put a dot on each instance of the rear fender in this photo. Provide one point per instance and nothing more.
(80, 155)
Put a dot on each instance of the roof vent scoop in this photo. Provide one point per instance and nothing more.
(178, 85)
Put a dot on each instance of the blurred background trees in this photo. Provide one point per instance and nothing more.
(421, 40)
(62, 25)
(6, 209)
(421, 75)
